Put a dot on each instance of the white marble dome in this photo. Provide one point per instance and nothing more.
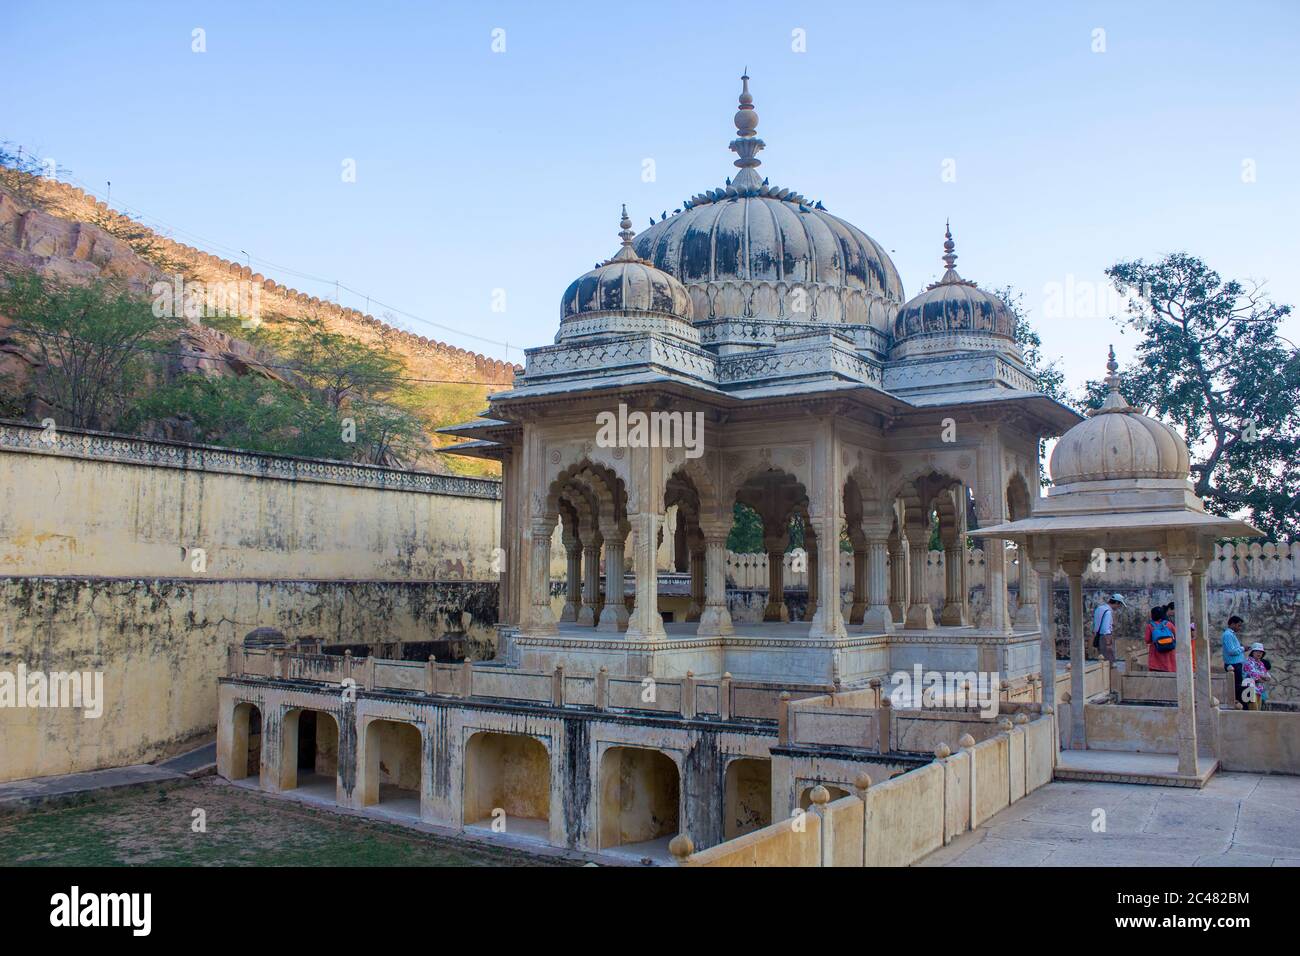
(625, 294)
(749, 250)
(1118, 442)
(953, 315)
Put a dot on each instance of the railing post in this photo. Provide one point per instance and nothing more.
(862, 783)
(466, 679)
(688, 695)
(883, 714)
(347, 664)
(941, 755)
(370, 672)
(430, 676)
(967, 743)
(724, 696)
(281, 663)
(557, 686)
(874, 684)
(783, 719)
(602, 688)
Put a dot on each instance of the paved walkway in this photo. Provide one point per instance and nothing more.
(38, 790)
(1238, 819)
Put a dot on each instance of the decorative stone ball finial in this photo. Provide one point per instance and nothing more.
(1020, 718)
(820, 795)
(965, 741)
(746, 117)
(1004, 724)
(943, 750)
(625, 224)
(949, 247)
(862, 781)
(681, 846)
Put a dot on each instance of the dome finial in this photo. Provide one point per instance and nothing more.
(626, 253)
(1115, 400)
(746, 144)
(626, 226)
(949, 255)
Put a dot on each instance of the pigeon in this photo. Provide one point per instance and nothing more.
(728, 180)
(764, 180)
(818, 205)
(652, 220)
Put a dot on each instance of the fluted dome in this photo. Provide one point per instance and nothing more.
(752, 250)
(625, 294)
(953, 315)
(1118, 442)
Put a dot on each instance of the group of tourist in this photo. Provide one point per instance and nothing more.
(1250, 669)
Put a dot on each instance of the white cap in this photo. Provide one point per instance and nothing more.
(1118, 598)
(1257, 646)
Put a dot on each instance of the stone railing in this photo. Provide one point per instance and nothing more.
(900, 821)
(125, 449)
(724, 699)
(1243, 564)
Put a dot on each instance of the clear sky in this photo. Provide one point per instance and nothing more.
(479, 170)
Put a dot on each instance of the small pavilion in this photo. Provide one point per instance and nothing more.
(1120, 482)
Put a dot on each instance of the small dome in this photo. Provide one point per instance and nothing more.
(1118, 442)
(953, 315)
(625, 294)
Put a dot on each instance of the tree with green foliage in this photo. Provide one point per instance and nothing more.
(1212, 362)
(92, 342)
(339, 367)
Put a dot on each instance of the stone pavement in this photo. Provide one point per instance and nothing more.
(1238, 819)
(35, 791)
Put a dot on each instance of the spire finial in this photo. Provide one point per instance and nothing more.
(626, 226)
(949, 255)
(1112, 372)
(1114, 401)
(626, 252)
(747, 144)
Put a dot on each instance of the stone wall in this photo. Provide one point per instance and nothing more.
(145, 561)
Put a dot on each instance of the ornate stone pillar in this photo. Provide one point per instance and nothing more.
(1073, 565)
(541, 620)
(588, 613)
(877, 616)
(572, 578)
(859, 607)
(774, 545)
(715, 620)
(1207, 727)
(899, 598)
(954, 585)
(613, 613)
(1027, 611)
(1180, 566)
(919, 613)
(698, 573)
(1044, 566)
(645, 621)
(812, 574)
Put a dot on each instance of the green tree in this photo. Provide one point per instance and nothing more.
(1212, 362)
(92, 342)
(339, 367)
(250, 412)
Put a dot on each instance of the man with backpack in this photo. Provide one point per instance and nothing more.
(1161, 638)
(1103, 626)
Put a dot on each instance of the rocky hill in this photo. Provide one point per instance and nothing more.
(59, 230)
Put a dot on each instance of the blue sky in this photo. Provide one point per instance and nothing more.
(479, 170)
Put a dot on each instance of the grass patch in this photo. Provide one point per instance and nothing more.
(152, 827)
